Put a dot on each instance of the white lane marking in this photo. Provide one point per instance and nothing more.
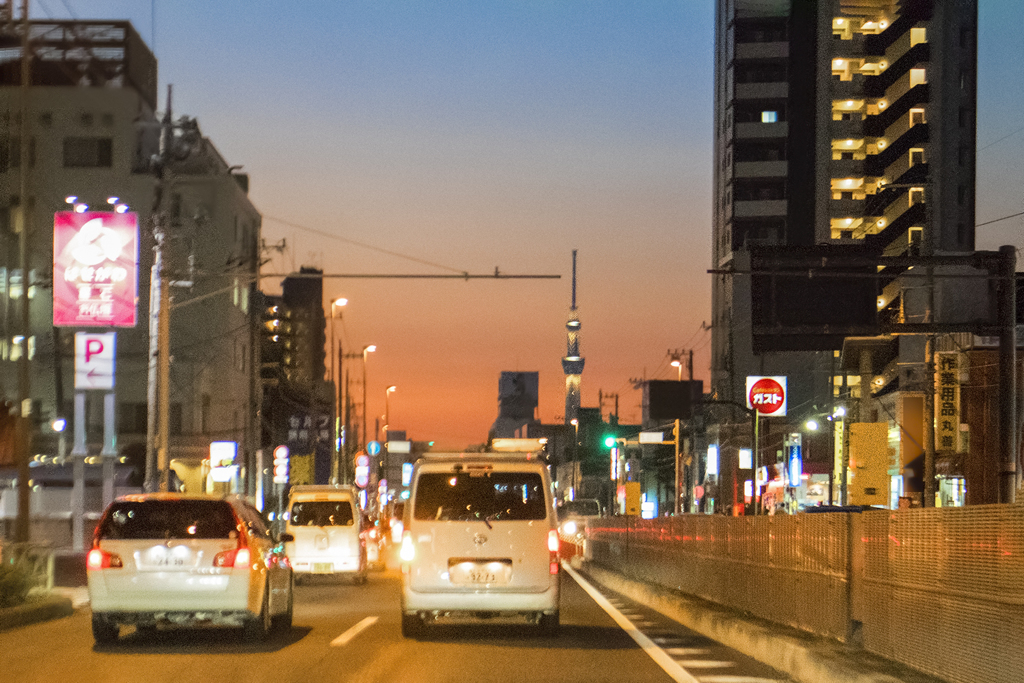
(739, 679)
(348, 635)
(707, 663)
(669, 665)
(686, 651)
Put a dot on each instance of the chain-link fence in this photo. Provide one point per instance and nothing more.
(941, 590)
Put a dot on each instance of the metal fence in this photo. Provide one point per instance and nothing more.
(941, 590)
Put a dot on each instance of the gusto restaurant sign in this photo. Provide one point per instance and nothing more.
(95, 268)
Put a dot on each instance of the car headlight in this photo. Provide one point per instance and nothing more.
(569, 528)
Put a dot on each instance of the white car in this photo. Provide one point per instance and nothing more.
(480, 542)
(170, 558)
(327, 532)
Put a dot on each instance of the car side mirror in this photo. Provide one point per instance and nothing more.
(285, 538)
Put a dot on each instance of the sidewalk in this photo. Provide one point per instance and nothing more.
(806, 658)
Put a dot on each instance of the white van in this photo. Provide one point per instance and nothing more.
(480, 541)
(326, 524)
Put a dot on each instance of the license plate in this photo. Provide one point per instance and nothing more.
(162, 557)
(486, 572)
(323, 567)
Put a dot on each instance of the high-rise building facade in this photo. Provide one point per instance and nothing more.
(843, 124)
(842, 128)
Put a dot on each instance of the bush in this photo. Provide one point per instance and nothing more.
(15, 583)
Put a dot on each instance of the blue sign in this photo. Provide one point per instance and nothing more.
(373, 448)
(796, 468)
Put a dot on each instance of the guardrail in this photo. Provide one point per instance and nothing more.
(941, 590)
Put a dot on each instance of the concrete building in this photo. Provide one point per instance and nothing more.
(842, 127)
(92, 129)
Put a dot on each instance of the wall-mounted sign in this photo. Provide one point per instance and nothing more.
(947, 402)
(767, 395)
(95, 269)
(222, 460)
(94, 360)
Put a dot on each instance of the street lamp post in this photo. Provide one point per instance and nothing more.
(575, 455)
(366, 349)
(336, 460)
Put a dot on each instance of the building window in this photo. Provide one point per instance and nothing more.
(769, 116)
(918, 77)
(88, 152)
(86, 119)
(916, 117)
(204, 414)
(916, 156)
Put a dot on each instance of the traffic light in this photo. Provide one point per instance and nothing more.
(609, 441)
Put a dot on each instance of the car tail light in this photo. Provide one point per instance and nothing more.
(553, 551)
(100, 559)
(408, 551)
(238, 558)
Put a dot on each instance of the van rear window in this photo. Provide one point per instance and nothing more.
(495, 496)
(166, 519)
(322, 513)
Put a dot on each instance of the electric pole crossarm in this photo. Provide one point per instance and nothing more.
(405, 276)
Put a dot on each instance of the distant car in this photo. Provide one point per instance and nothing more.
(328, 533)
(170, 558)
(397, 521)
(480, 542)
(572, 512)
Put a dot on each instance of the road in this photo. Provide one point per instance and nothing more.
(344, 632)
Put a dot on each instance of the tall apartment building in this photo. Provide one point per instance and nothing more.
(92, 129)
(841, 127)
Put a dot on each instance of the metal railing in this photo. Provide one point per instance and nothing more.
(941, 590)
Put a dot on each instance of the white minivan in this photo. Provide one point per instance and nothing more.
(326, 524)
(480, 541)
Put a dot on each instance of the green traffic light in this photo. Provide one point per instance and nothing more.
(609, 441)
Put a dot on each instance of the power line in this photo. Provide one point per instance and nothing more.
(1008, 135)
(1012, 215)
(324, 233)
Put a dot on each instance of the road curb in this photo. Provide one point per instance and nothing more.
(44, 609)
(804, 657)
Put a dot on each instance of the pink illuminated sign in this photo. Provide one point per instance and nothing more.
(95, 269)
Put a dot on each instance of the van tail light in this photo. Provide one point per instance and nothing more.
(408, 551)
(553, 551)
(237, 558)
(100, 559)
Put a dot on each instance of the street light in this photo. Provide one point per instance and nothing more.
(366, 349)
(336, 463)
(678, 365)
(387, 411)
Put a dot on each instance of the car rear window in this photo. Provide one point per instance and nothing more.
(322, 513)
(579, 508)
(493, 496)
(166, 519)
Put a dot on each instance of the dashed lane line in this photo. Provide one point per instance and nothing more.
(660, 657)
(348, 635)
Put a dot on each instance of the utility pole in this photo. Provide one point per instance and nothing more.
(23, 432)
(158, 463)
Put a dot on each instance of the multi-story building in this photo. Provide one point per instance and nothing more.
(93, 130)
(298, 404)
(842, 127)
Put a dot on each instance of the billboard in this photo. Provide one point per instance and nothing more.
(95, 269)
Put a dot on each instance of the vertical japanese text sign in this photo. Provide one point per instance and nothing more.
(95, 269)
(947, 402)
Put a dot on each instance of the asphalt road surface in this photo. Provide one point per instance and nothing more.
(346, 632)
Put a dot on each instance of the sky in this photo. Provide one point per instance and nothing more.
(387, 137)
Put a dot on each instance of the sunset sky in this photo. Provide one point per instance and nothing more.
(440, 137)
